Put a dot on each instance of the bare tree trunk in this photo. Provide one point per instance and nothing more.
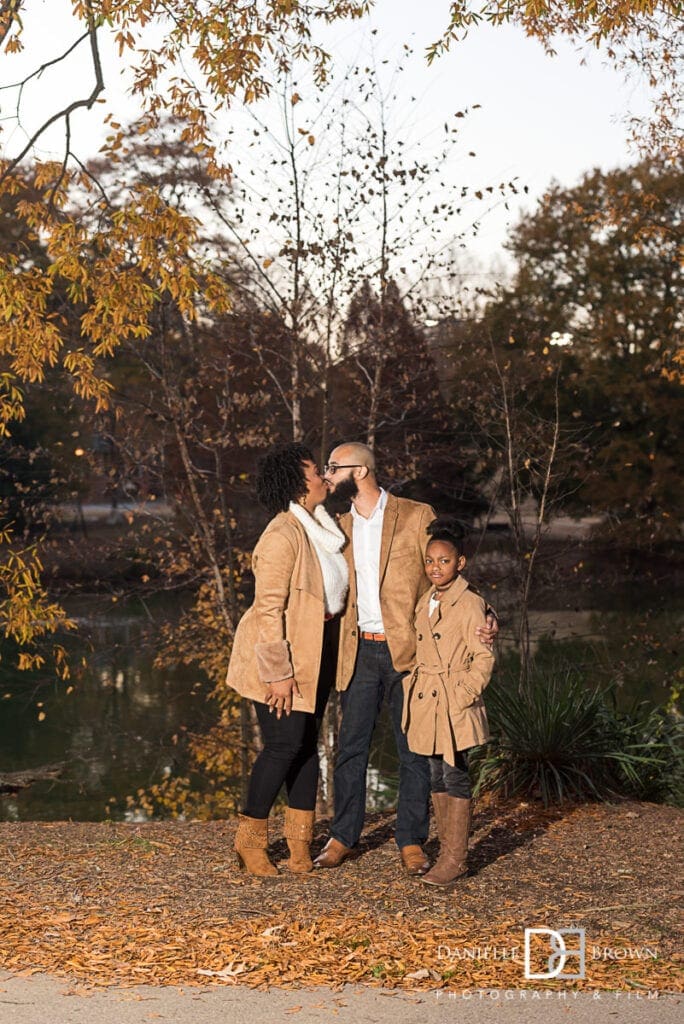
(325, 406)
(295, 328)
(374, 399)
(205, 527)
(381, 341)
(531, 554)
(330, 726)
(525, 549)
(248, 730)
(295, 383)
(329, 319)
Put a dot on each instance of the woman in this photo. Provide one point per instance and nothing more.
(285, 651)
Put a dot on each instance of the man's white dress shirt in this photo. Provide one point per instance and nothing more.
(367, 540)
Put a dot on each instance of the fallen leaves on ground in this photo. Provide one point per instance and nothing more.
(164, 903)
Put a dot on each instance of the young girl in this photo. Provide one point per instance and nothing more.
(444, 712)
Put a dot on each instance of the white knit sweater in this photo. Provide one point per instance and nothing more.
(328, 541)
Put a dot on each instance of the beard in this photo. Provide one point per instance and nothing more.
(340, 499)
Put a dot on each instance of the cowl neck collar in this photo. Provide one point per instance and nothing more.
(321, 527)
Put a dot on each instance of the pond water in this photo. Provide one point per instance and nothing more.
(117, 731)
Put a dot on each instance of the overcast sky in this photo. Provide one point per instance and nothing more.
(540, 117)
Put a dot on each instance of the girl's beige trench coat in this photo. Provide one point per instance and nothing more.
(281, 634)
(443, 706)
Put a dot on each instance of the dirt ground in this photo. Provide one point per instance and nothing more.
(165, 903)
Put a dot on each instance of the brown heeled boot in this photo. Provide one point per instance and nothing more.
(251, 842)
(299, 832)
(453, 842)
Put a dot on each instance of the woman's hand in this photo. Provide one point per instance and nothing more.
(279, 695)
(487, 634)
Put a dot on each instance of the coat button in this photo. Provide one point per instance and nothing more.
(420, 636)
(353, 632)
(434, 693)
(420, 696)
(437, 636)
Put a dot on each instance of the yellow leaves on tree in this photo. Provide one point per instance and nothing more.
(113, 276)
(642, 38)
(29, 335)
(25, 612)
(597, 22)
(11, 402)
(210, 53)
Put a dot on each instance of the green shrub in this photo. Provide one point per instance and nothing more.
(561, 740)
(659, 778)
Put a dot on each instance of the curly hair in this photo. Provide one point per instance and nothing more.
(449, 529)
(280, 476)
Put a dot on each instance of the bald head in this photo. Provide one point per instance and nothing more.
(354, 453)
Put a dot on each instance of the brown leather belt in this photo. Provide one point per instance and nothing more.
(380, 637)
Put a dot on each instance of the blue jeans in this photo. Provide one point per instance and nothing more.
(374, 678)
(451, 779)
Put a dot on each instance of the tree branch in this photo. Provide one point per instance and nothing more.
(66, 113)
(43, 67)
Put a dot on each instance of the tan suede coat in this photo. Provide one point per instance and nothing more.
(281, 634)
(443, 706)
(402, 581)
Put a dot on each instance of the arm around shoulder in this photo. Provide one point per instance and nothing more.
(481, 658)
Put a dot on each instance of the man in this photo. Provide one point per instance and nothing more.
(386, 556)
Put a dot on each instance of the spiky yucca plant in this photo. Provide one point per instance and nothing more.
(561, 740)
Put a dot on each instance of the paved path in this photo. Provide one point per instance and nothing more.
(43, 1000)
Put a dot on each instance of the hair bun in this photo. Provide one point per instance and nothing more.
(447, 528)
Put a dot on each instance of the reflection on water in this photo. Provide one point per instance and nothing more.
(637, 653)
(117, 731)
(121, 728)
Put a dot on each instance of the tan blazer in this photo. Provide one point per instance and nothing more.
(281, 634)
(443, 707)
(402, 581)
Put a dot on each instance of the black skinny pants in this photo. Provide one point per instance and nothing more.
(290, 751)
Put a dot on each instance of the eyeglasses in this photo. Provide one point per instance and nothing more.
(332, 467)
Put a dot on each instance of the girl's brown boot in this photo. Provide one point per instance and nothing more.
(453, 844)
